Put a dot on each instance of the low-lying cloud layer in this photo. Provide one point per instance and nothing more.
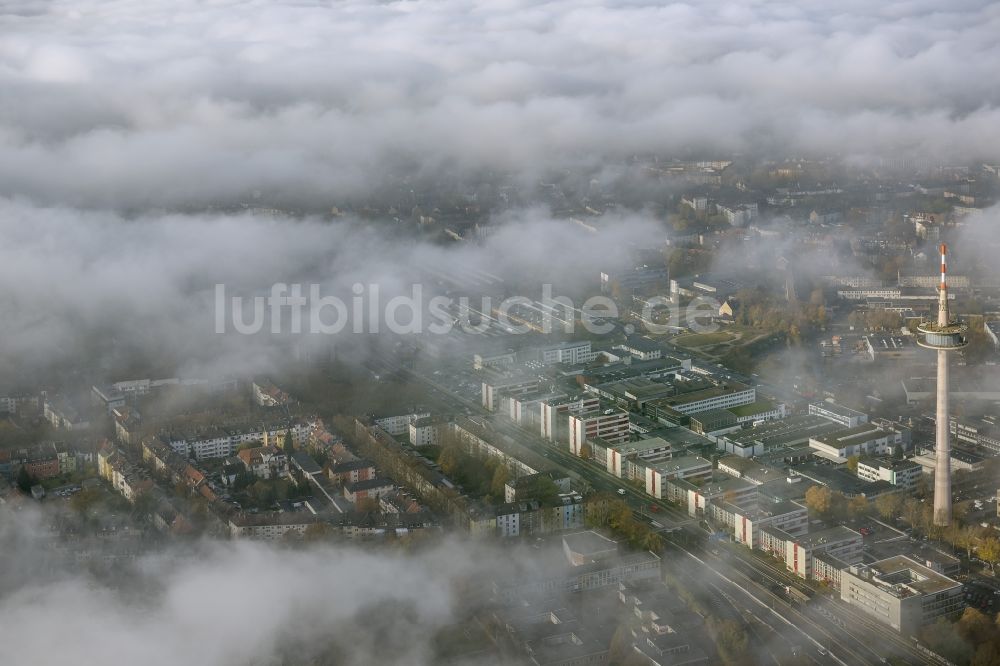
(91, 285)
(165, 103)
(144, 106)
(222, 604)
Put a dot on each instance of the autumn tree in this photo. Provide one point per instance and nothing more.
(840, 507)
(538, 487)
(858, 506)
(732, 641)
(652, 541)
(819, 500)
(989, 551)
(959, 536)
(888, 505)
(84, 500)
(24, 480)
(598, 510)
(987, 654)
(976, 627)
(620, 518)
(913, 513)
(607, 511)
(317, 532)
(942, 637)
(500, 478)
(448, 459)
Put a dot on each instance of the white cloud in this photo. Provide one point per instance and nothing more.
(163, 103)
(90, 285)
(224, 604)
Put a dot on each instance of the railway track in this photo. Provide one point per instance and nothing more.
(834, 645)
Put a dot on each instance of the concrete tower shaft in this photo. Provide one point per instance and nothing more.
(942, 446)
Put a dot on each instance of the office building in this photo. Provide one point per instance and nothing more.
(629, 459)
(744, 522)
(901, 593)
(509, 385)
(570, 353)
(845, 416)
(659, 475)
(865, 439)
(902, 473)
(798, 551)
(775, 435)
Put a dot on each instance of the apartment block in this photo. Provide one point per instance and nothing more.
(610, 424)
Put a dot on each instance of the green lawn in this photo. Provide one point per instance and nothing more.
(694, 340)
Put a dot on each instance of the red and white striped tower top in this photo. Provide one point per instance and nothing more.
(943, 292)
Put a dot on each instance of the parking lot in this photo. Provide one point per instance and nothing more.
(65, 491)
(982, 597)
(875, 531)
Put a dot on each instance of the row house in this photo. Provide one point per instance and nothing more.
(425, 431)
(372, 488)
(320, 441)
(128, 423)
(266, 394)
(352, 471)
(128, 479)
(398, 424)
(63, 415)
(166, 462)
(270, 526)
(264, 462)
(20, 404)
(41, 461)
(521, 518)
(223, 442)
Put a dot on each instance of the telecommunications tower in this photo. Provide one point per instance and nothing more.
(946, 335)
